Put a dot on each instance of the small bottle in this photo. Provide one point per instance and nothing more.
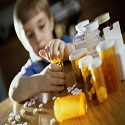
(88, 82)
(70, 106)
(92, 38)
(111, 74)
(104, 21)
(58, 61)
(98, 79)
(79, 37)
(74, 57)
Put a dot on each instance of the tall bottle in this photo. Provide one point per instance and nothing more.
(79, 37)
(92, 38)
(111, 74)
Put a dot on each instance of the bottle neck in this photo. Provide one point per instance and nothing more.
(92, 34)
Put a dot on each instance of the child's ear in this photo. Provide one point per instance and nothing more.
(52, 22)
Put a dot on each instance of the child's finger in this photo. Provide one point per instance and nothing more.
(61, 49)
(58, 76)
(55, 68)
(57, 88)
(43, 54)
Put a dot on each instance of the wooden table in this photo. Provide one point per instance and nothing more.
(111, 112)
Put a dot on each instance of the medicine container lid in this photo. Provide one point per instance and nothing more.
(81, 25)
(106, 44)
(96, 62)
(85, 61)
(103, 18)
(92, 26)
(77, 54)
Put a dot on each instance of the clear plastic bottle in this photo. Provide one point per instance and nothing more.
(79, 37)
(95, 66)
(80, 28)
(92, 38)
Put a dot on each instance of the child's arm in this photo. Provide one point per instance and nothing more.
(49, 80)
(56, 45)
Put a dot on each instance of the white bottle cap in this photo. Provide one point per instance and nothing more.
(85, 61)
(96, 62)
(77, 54)
(106, 44)
(103, 18)
(81, 25)
(92, 26)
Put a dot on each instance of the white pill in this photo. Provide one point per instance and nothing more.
(52, 121)
(10, 119)
(17, 118)
(13, 123)
(74, 85)
(53, 98)
(40, 105)
(25, 123)
(26, 104)
(30, 103)
(12, 114)
(35, 111)
(68, 88)
(22, 111)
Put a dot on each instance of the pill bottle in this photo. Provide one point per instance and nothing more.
(70, 106)
(88, 82)
(104, 21)
(80, 28)
(79, 37)
(92, 38)
(109, 65)
(58, 61)
(74, 58)
(98, 79)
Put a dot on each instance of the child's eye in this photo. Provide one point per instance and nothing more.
(29, 36)
(42, 26)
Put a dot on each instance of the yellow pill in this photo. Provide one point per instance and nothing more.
(101, 94)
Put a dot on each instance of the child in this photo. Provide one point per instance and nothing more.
(34, 26)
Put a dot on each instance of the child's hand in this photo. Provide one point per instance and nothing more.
(53, 48)
(51, 79)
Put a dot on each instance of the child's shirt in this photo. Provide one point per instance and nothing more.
(31, 68)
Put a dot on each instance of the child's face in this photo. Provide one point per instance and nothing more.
(38, 31)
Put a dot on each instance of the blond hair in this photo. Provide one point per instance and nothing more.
(26, 9)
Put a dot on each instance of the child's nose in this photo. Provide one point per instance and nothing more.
(38, 37)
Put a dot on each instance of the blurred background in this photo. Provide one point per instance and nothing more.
(67, 13)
